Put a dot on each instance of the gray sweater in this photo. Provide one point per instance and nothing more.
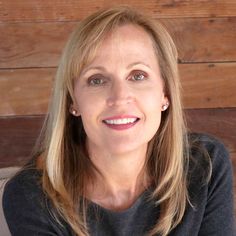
(27, 209)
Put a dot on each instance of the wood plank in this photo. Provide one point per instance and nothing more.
(27, 91)
(71, 10)
(18, 134)
(40, 44)
(209, 85)
(204, 39)
(217, 122)
(32, 44)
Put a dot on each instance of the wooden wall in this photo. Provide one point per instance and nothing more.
(33, 33)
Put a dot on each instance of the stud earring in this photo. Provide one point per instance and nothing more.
(164, 107)
(74, 112)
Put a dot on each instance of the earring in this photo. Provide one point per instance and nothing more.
(74, 112)
(164, 107)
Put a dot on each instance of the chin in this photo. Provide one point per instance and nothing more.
(126, 148)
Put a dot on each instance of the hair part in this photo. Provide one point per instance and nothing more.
(66, 164)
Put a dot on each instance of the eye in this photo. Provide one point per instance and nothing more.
(96, 80)
(138, 76)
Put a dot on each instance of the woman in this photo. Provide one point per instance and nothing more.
(115, 157)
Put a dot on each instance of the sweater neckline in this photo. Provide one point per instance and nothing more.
(143, 197)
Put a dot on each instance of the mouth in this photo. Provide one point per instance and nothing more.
(121, 123)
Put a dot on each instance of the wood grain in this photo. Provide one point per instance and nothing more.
(40, 44)
(71, 10)
(204, 39)
(18, 134)
(217, 122)
(208, 85)
(32, 44)
(27, 91)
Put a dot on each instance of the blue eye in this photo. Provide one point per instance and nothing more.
(96, 80)
(138, 76)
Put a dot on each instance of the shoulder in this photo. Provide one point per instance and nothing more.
(210, 188)
(205, 149)
(209, 142)
(26, 181)
(23, 189)
(27, 209)
(210, 164)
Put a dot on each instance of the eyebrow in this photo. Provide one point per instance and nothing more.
(93, 68)
(138, 63)
(104, 69)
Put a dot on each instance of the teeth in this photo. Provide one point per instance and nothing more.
(120, 121)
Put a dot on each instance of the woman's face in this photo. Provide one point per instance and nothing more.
(119, 96)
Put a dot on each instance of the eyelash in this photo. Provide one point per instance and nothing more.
(138, 73)
(92, 81)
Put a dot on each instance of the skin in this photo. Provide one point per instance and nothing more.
(123, 80)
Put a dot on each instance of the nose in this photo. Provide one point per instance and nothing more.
(120, 94)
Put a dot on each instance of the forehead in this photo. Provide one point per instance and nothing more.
(128, 32)
(126, 42)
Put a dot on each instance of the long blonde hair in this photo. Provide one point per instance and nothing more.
(66, 165)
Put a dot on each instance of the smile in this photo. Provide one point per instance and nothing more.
(121, 121)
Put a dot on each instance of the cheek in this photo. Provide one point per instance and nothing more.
(153, 100)
(152, 105)
(89, 107)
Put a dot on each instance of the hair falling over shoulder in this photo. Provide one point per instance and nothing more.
(66, 165)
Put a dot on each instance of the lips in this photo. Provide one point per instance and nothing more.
(121, 122)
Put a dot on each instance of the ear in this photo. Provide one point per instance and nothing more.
(74, 110)
(165, 99)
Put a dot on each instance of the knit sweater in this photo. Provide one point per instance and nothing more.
(28, 210)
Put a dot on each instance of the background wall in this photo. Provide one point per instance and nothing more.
(33, 33)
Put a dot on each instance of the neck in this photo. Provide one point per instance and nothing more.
(120, 179)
